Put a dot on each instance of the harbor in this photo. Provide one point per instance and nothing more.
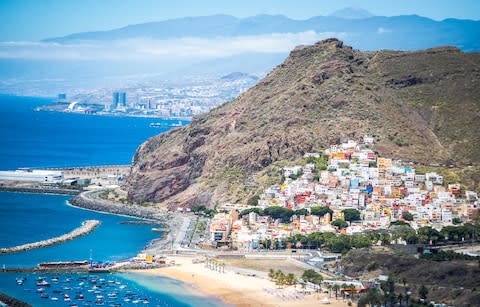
(81, 289)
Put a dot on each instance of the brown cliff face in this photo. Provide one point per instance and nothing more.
(422, 106)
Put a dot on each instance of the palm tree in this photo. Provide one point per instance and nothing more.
(271, 274)
(400, 298)
(336, 287)
(423, 292)
(291, 279)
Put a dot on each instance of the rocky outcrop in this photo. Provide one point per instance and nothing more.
(419, 106)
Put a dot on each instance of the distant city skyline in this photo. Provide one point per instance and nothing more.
(36, 20)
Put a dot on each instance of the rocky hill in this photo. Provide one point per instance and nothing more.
(452, 282)
(420, 106)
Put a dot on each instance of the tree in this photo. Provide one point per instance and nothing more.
(351, 215)
(198, 208)
(320, 211)
(423, 292)
(277, 212)
(290, 279)
(253, 201)
(336, 288)
(321, 163)
(271, 274)
(456, 221)
(302, 211)
(407, 216)
(312, 276)
(371, 297)
(427, 233)
(258, 211)
(340, 224)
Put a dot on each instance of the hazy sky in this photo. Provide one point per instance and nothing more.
(34, 19)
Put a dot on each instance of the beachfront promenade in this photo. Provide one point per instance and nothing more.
(86, 227)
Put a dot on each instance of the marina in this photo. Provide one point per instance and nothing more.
(82, 290)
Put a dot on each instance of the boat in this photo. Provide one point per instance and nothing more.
(41, 290)
(79, 296)
(145, 301)
(54, 299)
(44, 295)
(43, 283)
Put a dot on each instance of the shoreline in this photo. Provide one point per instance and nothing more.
(234, 288)
(170, 221)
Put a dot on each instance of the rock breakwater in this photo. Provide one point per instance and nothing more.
(92, 201)
(86, 227)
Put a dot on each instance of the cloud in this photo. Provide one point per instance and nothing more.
(148, 49)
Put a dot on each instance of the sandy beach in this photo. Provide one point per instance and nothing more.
(236, 289)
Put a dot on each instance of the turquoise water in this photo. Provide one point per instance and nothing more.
(123, 289)
(28, 218)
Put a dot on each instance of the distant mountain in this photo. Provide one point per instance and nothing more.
(419, 106)
(352, 13)
(237, 76)
(372, 33)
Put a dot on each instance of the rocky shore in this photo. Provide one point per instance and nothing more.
(86, 227)
(91, 200)
(172, 222)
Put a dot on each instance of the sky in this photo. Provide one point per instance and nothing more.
(35, 20)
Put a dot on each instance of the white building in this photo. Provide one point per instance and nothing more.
(45, 176)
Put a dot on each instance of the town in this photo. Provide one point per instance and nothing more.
(161, 98)
(347, 189)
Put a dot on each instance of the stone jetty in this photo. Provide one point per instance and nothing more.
(86, 227)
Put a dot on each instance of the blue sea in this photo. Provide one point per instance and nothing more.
(54, 139)
(49, 139)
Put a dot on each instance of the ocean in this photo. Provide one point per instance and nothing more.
(54, 139)
(49, 139)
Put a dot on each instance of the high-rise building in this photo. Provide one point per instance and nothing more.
(116, 96)
(122, 98)
(119, 100)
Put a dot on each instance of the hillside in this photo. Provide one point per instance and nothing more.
(450, 282)
(420, 106)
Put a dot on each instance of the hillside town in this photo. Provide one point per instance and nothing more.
(346, 189)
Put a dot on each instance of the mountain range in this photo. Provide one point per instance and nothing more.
(421, 106)
(355, 26)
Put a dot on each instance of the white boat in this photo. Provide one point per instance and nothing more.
(43, 283)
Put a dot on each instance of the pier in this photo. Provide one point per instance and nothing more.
(86, 227)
